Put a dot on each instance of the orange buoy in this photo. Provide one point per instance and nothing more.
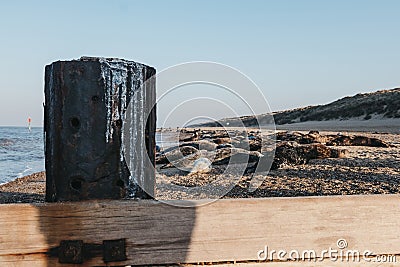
(29, 123)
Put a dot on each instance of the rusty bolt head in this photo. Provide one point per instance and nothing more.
(71, 251)
(114, 250)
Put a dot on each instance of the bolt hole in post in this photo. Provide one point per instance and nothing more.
(75, 122)
(76, 183)
(118, 123)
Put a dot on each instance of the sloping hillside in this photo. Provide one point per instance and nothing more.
(381, 104)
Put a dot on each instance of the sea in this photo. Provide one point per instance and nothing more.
(22, 151)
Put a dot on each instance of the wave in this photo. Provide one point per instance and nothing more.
(24, 172)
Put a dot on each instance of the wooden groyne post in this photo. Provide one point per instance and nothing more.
(86, 101)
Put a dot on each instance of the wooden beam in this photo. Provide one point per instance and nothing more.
(298, 264)
(226, 230)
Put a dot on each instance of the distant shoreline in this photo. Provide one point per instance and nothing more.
(353, 125)
(373, 125)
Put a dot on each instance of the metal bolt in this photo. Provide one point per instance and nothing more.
(70, 251)
(114, 250)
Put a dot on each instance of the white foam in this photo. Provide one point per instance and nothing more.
(23, 173)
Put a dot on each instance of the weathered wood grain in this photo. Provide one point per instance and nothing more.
(324, 263)
(99, 125)
(226, 230)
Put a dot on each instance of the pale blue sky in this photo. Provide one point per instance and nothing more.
(298, 52)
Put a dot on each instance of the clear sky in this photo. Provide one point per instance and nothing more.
(298, 52)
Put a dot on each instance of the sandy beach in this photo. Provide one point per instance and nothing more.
(364, 170)
(27, 189)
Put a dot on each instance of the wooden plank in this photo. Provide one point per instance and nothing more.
(226, 230)
(299, 264)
